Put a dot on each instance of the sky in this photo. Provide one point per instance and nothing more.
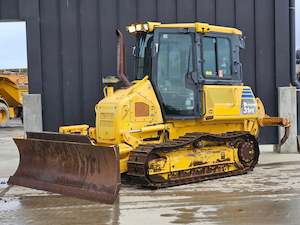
(13, 47)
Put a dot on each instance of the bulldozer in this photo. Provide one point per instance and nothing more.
(185, 118)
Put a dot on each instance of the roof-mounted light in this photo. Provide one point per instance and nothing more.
(138, 27)
(131, 29)
(146, 26)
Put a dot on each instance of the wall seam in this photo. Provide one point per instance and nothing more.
(99, 40)
(41, 60)
(235, 12)
(156, 10)
(255, 46)
(176, 10)
(195, 16)
(60, 62)
(80, 60)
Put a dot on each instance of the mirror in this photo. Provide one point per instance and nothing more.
(133, 51)
(242, 42)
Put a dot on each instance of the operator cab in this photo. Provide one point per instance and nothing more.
(181, 58)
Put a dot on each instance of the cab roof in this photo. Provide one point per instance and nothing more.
(199, 27)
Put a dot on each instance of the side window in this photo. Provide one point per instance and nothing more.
(209, 56)
(143, 57)
(217, 57)
(224, 57)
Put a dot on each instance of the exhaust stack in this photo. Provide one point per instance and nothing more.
(121, 58)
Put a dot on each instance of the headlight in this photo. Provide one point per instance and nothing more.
(138, 27)
(131, 29)
(146, 27)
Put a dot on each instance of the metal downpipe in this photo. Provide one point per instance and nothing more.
(293, 76)
(294, 80)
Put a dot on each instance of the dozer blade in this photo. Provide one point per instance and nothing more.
(68, 165)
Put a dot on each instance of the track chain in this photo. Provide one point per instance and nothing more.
(138, 160)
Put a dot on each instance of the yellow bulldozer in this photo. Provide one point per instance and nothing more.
(12, 88)
(187, 117)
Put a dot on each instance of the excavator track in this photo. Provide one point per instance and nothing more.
(245, 143)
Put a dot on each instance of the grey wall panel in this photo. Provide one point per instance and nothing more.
(205, 11)
(212, 11)
(91, 58)
(146, 10)
(30, 10)
(282, 43)
(225, 13)
(265, 61)
(9, 9)
(245, 20)
(108, 24)
(166, 11)
(72, 45)
(52, 95)
(186, 10)
(71, 64)
(127, 10)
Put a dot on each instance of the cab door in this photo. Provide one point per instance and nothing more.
(175, 72)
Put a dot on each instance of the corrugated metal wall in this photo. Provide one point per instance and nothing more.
(72, 44)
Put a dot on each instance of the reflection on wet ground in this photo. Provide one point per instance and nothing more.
(265, 196)
(268, 195)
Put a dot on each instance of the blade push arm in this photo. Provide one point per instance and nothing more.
(277, 121)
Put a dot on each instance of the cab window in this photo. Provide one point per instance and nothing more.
(174, 61)
(216, 57)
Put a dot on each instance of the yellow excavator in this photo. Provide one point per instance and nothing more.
(187, 117)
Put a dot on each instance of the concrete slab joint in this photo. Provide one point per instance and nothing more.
(32, 112)
(287, 107)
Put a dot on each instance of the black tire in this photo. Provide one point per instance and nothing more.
(4, 114)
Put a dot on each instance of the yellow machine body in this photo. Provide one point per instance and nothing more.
(132, 116)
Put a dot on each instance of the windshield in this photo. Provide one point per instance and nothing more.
(143, 55)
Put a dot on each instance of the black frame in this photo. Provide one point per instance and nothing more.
(197, 78)
(215, 77)
(236, 66)
(198, 104)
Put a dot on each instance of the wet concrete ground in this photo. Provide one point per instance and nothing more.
(268, 195)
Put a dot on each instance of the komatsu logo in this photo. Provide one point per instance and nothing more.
(248, 107)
